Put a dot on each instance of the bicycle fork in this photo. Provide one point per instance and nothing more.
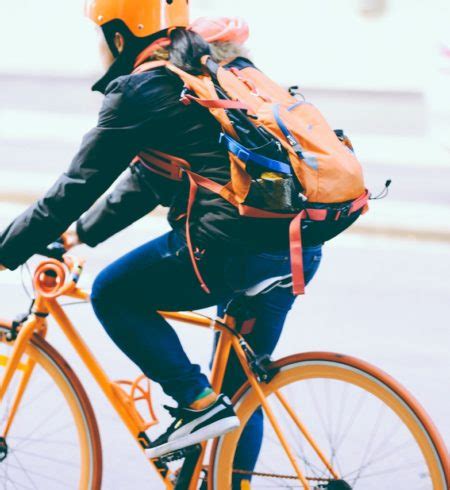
(34, 324)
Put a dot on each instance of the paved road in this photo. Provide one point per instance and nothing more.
(385, 301)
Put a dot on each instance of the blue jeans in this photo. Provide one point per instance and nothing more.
(159, 276)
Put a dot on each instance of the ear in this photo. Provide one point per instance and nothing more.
(119, 42)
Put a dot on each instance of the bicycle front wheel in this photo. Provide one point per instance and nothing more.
(348, 424)
(50, 440)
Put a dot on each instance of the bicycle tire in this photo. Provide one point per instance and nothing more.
(91, 463)
(350, 370)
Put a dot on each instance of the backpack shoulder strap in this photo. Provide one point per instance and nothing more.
(207, 96)
(148, 66)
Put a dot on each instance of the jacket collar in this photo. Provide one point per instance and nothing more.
(121, 66)
(127, 61)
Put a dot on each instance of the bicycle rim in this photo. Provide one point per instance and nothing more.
(53, 441)
(371, 431)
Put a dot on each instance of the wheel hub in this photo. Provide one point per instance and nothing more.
(3, 449)
(336, 485)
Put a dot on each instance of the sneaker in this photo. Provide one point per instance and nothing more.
(191, 427)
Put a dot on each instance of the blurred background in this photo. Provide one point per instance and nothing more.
(380, 69)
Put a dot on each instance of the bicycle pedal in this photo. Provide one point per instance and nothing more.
(180, 454)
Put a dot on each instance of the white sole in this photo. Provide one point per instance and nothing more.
(209, 432)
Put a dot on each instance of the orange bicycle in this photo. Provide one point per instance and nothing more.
(330, 421)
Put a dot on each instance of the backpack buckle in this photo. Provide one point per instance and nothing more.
(185, 98)
(198, 254)
(338, 213)
(347, 210)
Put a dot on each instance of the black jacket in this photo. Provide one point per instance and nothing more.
(139, 111)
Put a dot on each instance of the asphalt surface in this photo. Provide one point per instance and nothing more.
(384, 300)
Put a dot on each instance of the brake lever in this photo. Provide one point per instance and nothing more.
(55, 250)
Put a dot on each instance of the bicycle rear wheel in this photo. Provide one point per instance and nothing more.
(372, 433)
(53, 440)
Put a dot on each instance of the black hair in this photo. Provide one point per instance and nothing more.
(187, 50)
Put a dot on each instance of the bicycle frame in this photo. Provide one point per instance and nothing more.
(37, 324)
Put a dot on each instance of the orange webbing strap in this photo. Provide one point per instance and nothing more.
(163, 164)
(195, 181)
(149, 51)
(296, 247)
(295, 228)
(220, 114)
(150, 65)
(214, 103)
(295, 240)
(206, 94)
(214, 187)
(361, 202)
(192, 195)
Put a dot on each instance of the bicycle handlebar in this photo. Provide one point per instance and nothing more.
(60, 273)
(55, 250)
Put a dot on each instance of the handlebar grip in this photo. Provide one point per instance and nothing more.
(55, 250)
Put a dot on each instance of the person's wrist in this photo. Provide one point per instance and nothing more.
(71, 239)
(2, 268)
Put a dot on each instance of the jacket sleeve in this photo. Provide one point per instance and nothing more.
(104, 154)
(137, 194)
(130, 200)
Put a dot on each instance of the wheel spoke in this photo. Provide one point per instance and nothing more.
(364, 427)
(46, 458)
(54, 430)
(47, 446)
(24, 471)
(42, 475)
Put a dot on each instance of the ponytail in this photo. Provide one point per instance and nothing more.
(187, 50)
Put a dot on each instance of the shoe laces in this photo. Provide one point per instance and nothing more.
(175, 412)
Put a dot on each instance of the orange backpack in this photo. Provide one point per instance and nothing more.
(274, 140)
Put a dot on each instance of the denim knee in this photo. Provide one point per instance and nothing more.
(102, 290)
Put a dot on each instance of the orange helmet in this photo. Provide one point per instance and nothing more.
(142, 17)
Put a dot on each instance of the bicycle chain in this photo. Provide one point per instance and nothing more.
(283, 477)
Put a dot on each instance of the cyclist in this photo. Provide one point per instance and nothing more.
(234, 253)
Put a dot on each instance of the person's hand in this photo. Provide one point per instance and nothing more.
(2, 268)
(71, 239)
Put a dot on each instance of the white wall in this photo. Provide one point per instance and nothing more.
(327, 43)
(317, 43)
